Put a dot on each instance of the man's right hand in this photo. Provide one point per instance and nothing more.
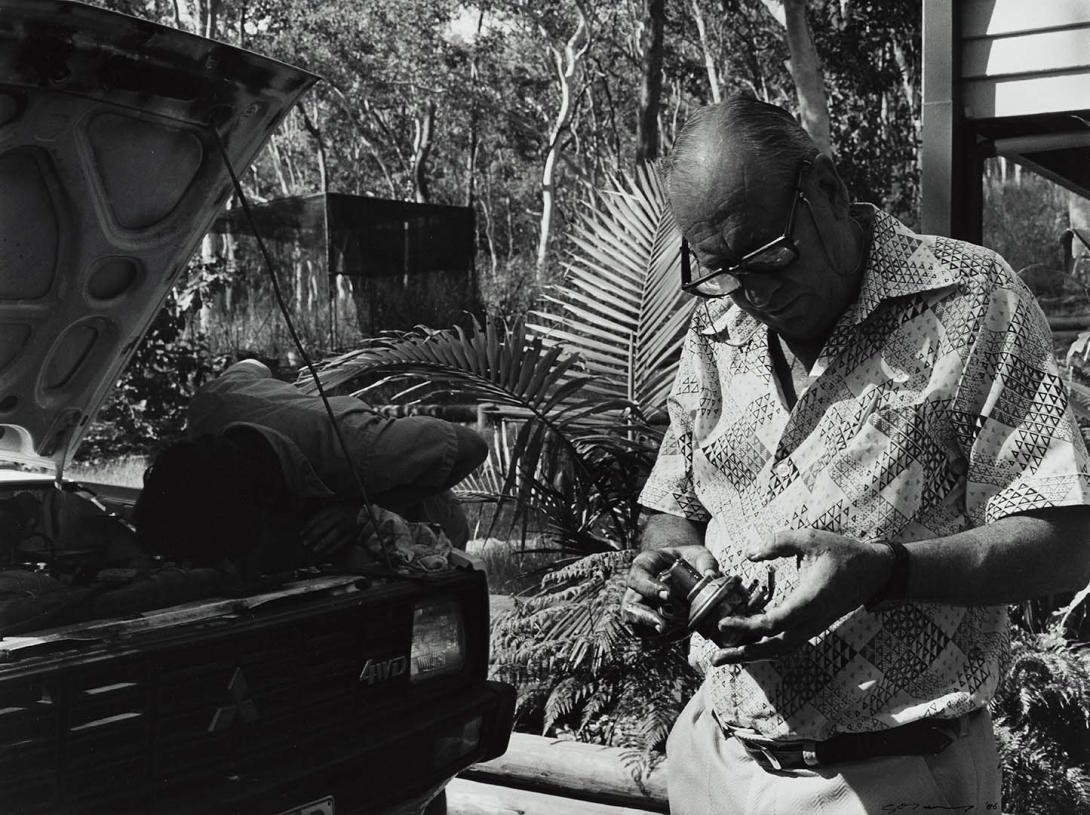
(646, 592)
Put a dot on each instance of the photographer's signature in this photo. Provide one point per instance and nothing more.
(906, 806)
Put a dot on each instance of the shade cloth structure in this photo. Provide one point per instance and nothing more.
(407, 263)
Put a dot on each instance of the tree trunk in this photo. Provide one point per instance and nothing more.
(278, 165)
(806, 71)
(709, 59)
(568, 66)
(421, 149)
(316, 134)
(242, 10)
(1078, 214)
(647, 139)
(908, 90)
(471, 159)
(365, 139)
(211, 13)
(510, 231)
(489, 224)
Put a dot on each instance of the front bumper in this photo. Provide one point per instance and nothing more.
(399, 769)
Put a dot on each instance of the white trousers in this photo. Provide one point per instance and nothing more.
(711, 773)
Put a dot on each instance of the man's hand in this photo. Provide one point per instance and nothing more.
(644, 585)
(836, 576)
(331, 528)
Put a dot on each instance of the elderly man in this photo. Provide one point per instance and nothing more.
(878, 415)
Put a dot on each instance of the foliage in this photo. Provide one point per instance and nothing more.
(579, 671)
(574, 456)
(150, 400)
(871, 52)
(581, 448)
(621, 306)
(1024, 215)
(1042, 724)
(485, 74)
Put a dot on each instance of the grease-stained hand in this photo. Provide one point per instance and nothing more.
(836, 575)
(331, 527)
(644, 585)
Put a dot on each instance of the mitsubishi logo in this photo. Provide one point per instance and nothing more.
(242, 706)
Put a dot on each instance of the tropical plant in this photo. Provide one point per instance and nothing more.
(572, 449)
(575, 456)
(582, 673)
(1042, 724)
(621, 307)
(574, 386)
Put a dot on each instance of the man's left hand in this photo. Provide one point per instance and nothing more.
(331, 528)
(836, 576)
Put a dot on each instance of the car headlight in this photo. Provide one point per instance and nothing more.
(439, 641)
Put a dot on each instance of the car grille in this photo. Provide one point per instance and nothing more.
(106, 735)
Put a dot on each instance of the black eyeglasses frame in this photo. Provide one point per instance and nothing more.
(738, 270)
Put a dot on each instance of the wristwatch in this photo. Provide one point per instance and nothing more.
(895, 591)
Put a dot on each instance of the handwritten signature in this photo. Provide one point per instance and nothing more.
(906, 806)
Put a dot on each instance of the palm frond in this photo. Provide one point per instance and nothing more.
(621, 307)
(501, 365)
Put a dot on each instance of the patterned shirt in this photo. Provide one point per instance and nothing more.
(935, 406)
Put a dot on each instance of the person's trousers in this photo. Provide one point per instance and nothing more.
(711, 773)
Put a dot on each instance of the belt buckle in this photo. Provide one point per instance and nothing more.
(769, 756)
(780, 755)
(758, 746)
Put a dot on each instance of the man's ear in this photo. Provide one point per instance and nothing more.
(826, 179)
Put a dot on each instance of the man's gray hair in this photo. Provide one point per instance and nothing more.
(763, 130)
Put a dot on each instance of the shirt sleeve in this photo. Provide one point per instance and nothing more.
(1014, 422)
(670, 487)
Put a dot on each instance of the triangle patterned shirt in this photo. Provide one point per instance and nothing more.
(935, 406)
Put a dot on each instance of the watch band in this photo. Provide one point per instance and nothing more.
(895, 591)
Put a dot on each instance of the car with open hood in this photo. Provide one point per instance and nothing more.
(127, 685)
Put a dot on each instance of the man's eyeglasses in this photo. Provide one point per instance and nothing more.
(772, 257)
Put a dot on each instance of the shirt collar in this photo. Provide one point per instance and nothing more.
(899, 263)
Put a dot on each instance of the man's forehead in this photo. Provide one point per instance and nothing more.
(724, 206)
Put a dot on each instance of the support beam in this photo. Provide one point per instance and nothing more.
(951, 165)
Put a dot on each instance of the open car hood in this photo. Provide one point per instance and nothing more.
(110, 174)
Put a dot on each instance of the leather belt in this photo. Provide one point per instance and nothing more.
(923, 737)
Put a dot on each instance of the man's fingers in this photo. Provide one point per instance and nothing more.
(785, 543)
(334, 538)
(643, 576)
(760, 625)
(638, 615)
(771, 638)
(642, 616)
(316, 536)
(760, 651)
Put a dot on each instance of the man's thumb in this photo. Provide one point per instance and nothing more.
(705, 562)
